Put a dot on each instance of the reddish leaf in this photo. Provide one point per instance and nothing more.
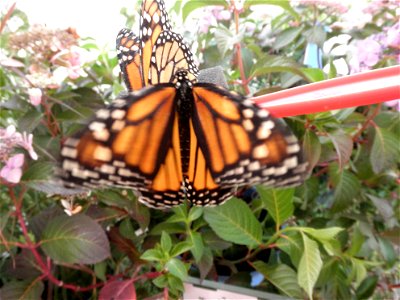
(343, 145)
(118, 290)
(124, 245)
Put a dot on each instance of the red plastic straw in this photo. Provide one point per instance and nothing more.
(353, 90)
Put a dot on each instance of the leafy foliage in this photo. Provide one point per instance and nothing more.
(334, 237)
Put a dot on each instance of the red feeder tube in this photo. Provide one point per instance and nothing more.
(360, 89)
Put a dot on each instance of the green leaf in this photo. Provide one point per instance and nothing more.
(282, 277)
(206, 262)
(383, 206)
(366, 289)
(193, 5)
(346, 187)
(285, 4)
(177, 268)
(234, 222)
(311, 148)
(286, 37)
(75, 239)
(385, 150)
(38, 171)
(343, 145)
(310, 265)
(278, 202)
(180, 248)
(30, 120)
(166, 242)
(357, 241)
(388, 251)
(322, 234)
(314, 74)
(316, 35)
(326, 237)
(195, 213)
(198, 245)
(292, 245)
(152, 255)
(22, 290)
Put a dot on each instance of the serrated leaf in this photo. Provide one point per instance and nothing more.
(346, 187)
(323, 234)
(282, 277)
(309, 266)
(234, 222)
(177, 268)
(311, 148)
(326, 237)
(123, 289)
(278, 202)
(22, 290)
(343, 144)
(385, 150)
(292, 245)
(76, 239)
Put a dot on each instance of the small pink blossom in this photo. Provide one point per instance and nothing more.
(35, 96)
(71, 60)
(393, 36)
(10, 138)
(395, 104)
(26, 141)
(369, 52)
(12, 171)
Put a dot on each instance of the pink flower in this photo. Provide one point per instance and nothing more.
(395, 104)
(26, 142)
(393, 36)
(10, 138)
(71, 61)
(35, 96)
(12, 171)
(369, 52)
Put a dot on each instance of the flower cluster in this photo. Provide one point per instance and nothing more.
(368, 52)
(54, 56)
(10, 139)
(212, 16)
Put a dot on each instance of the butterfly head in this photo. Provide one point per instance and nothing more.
(181, 79)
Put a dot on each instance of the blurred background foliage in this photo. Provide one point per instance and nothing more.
(334, 237)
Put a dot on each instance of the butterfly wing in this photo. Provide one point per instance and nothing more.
(153, 21)
(241, 143)
(129, 59)
(133, 143)
(170, 55)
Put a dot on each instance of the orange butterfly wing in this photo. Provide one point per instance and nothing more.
(241, 143)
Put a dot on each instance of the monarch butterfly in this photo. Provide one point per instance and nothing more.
(135, 54)
(179, 139)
